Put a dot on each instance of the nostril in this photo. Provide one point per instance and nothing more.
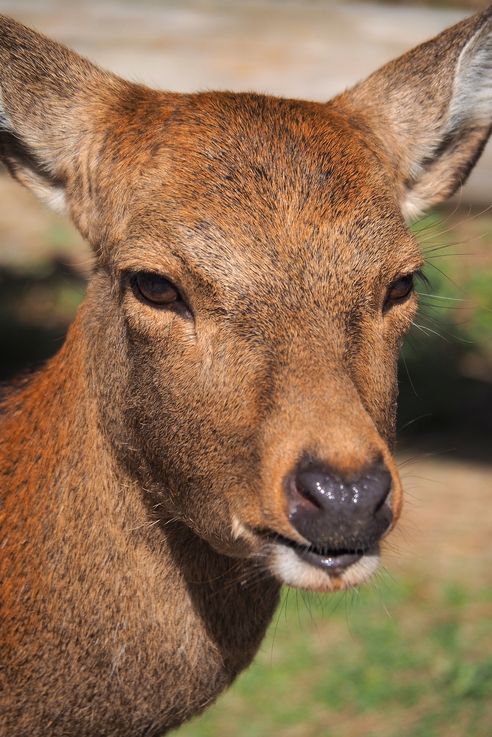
(325, 490)
(375, 485)
(310, 487)
(302, 493)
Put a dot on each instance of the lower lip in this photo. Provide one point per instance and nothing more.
(334, 565)
(320, 572)
(331, 564)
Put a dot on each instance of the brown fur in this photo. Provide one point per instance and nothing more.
(130, 597)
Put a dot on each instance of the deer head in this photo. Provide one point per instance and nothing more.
(253, 281)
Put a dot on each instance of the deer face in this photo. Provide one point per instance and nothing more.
(253, 284)
(260, 288)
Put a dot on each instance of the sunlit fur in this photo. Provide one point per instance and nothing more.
(142, 465)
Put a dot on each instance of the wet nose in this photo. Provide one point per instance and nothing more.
(336, 513)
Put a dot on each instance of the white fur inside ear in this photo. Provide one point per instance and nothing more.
(412, 207)
(55, 198)
(472, 90)
(44, 190)
(4, 121)
(470, 108)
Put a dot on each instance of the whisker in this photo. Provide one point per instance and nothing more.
(439, 296)
(283, 606)
(431, 258)
(453, 309)
(408, 375)
(427, 331)
(415, 419)
(468, 218)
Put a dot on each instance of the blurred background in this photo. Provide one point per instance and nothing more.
(411, 654)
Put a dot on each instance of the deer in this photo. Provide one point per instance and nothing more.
(220, 420)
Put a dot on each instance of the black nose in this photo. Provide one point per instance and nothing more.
(339, 514)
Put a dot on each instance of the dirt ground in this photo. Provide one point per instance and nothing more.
(445, 526)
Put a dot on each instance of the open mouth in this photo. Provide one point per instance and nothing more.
(333, 562)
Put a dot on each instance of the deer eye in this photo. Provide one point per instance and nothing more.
(399, 291)
(155, 290)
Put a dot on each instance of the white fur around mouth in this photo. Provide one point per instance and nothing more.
(290, 569)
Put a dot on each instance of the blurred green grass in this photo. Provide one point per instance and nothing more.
(396, 659)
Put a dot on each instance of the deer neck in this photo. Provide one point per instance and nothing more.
(101, 569)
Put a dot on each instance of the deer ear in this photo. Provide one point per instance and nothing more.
(432, 110)
(46, 95)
